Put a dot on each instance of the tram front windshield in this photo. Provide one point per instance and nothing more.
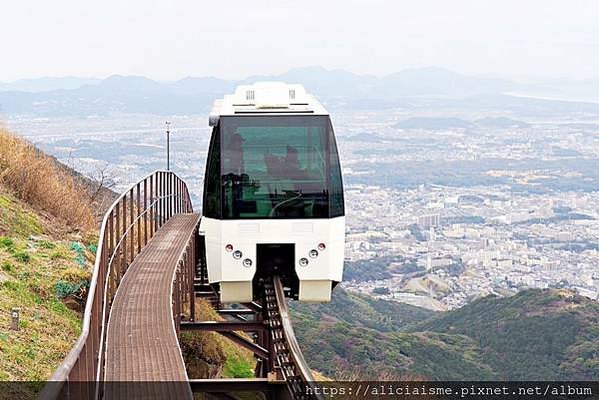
(278, 167)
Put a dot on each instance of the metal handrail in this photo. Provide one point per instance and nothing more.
(168, 195)
(131, 225)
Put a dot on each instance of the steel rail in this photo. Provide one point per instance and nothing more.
(281, 364)
(289, 358)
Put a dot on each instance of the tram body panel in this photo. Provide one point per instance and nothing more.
(305, 236)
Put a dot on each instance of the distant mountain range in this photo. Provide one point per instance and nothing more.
(47, 84)
(194, 95)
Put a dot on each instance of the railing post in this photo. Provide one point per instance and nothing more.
(183, 202)
(118, 250)
(164, 194)
(179, 197)
(160, 199)
(192, 271)
(167, 194)
(186, 274)
(177, 299)
(152, 206)
(170, 192)
(111, 232)
(145, 211)
(131, 227)
(124, 247)
(186, 197)
(175, 195)
(138, 219)
(187, 200)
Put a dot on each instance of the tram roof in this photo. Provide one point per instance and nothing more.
(267, 98)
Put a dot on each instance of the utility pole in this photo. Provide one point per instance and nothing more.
(168, 144)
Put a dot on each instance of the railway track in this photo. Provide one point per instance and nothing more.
(282, 371)
(288, 358)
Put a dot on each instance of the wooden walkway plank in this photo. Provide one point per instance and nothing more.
(142, 344)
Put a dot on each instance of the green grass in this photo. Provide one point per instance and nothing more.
(7, 266)
(46, 244)
(6, 243)
(16, 220)
(238, 367)
(60, 252)
(21, 256)
(31, 273)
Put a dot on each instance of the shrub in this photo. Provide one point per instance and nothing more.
(21, 256)
(79, 250)
(65, 289)
(6, 242)
(45, 244)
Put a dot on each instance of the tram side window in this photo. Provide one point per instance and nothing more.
(212, 187)
(336, 198)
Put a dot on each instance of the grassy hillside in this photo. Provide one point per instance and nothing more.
(47, 247)
(46, 278)
(535, 334)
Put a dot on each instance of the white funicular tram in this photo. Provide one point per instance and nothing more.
(273, 195)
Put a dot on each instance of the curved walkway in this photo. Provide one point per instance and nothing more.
(142, 344)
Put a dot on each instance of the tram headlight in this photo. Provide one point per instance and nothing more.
(321, 246)
(247, 263)
(237, 254)
(303, 262)
(313, 253)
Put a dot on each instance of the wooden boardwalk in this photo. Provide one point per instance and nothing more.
(142, 344)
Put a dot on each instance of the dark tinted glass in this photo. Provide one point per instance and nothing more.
(212, 192)
(337, 206)
(279, 167)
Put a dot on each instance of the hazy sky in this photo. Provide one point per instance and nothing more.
(174, 39)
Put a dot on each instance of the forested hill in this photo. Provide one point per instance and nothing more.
(536, 334)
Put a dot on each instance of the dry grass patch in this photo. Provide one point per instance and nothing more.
(38, 180)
